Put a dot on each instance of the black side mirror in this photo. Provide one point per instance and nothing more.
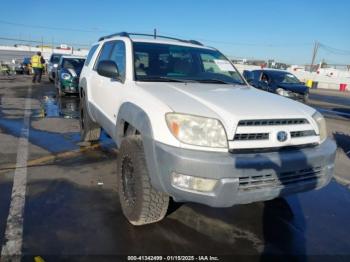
(108, 68)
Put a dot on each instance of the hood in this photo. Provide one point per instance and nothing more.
(227, 103)
(297, 88)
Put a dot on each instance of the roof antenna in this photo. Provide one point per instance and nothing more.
(155, 33)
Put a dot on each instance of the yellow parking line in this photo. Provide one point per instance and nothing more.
(53, 157)
(38, 259)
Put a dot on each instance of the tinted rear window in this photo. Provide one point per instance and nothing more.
(55, 59)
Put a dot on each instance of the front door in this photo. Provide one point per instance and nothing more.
(106, 91)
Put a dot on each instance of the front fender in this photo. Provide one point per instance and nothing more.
(139, 119)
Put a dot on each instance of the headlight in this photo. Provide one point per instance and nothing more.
(196, 130)
(55, 65)
(282, 92)
(65, 76)
(321, 124)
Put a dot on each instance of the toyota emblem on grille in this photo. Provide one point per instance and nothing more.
(282, 136)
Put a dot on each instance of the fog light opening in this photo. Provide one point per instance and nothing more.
(193, 183)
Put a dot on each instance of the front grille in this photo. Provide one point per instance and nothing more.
(296, 134)
(252, 136)
(282, 179)
(270, 149)
(273, 122)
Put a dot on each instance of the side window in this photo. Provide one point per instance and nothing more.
(90, 54)
(118, 56)
(105, 52)
(264, 78)
(256, 75)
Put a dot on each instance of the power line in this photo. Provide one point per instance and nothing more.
(54, 28)
(200, 39)
(39, 42)
(245, 43)
(335, 51)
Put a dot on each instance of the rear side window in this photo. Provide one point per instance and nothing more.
(90, 54)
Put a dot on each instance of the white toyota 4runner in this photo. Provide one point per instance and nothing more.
(188, 126)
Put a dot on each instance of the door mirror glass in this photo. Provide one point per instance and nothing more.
(108, 69)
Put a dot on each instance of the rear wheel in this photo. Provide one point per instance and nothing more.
(140, 201)
(59, 91)
(89, 130)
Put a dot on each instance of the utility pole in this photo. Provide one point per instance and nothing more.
(42, 44)
(155, 33)
(314, 54)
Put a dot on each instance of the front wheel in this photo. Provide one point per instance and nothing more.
(140, 201)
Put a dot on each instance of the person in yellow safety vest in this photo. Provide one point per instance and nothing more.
(37, 62)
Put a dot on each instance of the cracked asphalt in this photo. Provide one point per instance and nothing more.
(72, 211)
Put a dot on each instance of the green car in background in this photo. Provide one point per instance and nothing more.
(68, 73)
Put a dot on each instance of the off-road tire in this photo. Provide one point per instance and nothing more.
(89, 130)
(141, 203)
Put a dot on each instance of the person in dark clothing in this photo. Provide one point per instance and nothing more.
(37, 62)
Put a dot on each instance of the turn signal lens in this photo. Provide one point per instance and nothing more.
(321, 124)
(193, 183)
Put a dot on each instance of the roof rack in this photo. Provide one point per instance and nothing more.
(126, 34)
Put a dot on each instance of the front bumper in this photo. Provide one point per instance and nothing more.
(298, 97)
(245, 177)
(69, 87)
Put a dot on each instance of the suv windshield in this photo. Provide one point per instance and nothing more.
(164, 63)
(284, 77)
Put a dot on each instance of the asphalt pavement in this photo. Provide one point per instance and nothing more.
(71, 212)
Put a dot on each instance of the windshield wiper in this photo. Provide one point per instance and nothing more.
(177, 79)
(218, 81)
(165, 79)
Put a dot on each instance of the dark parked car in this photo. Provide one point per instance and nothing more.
(68, 73)
(23, 68)
(280, 82)
(52, 66)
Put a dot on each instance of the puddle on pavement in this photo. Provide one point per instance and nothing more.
(53, 106)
